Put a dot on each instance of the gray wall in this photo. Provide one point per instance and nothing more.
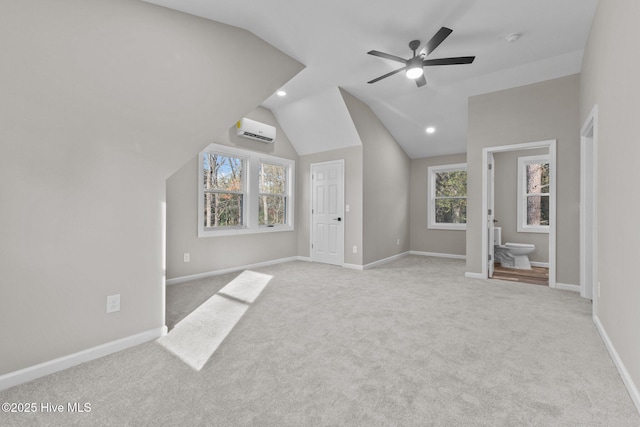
(424, 239)
(101, 102)
(610, 79)
(385, 185)
(536, 112)
(220, 252)
(352, 157)
(506, 199)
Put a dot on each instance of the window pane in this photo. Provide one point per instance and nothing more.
(272, 178)
(451, 211)
(222, 172)
(538, 210)
(222, 210)
(538, 178)
(272, 210)
(451, 184)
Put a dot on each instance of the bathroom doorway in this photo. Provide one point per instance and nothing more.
(542, 237)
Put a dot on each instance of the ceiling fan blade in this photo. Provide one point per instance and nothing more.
(435, 41)
(421, 81)
(448, 61)
(387, 56)
(386, 75)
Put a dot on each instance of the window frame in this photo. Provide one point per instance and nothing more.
(522, 195)
(285, 194)
(431, 196)
(251, 189)
(243, 189)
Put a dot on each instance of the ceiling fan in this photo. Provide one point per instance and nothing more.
(414, 66)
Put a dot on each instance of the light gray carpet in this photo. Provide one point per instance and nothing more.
(410, 343)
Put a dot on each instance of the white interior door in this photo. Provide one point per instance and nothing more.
(327, 212)
(491, 213)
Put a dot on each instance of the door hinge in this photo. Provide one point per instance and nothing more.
(312, 246)
(490, 166)
(489, 257)
(489, 212)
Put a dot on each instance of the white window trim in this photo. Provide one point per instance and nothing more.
(252, 161)
(431, 196)
(275, 161)
(523, 227)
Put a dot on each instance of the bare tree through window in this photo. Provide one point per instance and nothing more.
(223, 190)
(273, 191)
(451, 197)
(537, 193)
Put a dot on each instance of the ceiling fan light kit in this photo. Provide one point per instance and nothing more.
(414, 66)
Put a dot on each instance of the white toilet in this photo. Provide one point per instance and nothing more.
(511, 255)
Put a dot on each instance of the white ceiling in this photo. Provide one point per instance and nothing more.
(332, 38)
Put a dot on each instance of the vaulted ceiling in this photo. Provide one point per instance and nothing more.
(332, 38)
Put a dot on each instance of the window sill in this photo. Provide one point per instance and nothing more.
(543, 230)
(242, 231)
(459, 227)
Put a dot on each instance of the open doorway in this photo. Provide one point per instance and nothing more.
(527, 214)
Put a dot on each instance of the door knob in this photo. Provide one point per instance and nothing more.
(337, 219)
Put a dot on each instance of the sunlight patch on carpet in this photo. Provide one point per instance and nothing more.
(196, 337)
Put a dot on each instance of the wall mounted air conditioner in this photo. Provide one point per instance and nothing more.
(255, 130)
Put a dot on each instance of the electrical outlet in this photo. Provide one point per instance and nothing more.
(113, 303)
(398, 242)
(187, 257)
(355, 249)
(346, 208)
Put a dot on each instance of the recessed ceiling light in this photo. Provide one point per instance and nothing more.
(431, 129)
(281, 93)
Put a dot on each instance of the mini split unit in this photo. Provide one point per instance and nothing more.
(256, 130)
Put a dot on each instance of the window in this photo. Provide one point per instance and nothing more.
(273, 194)
(533, 194)
(223, 190)
(242, 192)
(447, 197)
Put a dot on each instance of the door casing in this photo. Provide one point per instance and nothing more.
(588, 210)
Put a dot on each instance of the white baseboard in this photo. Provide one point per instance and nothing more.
(567, 287)
(46, 368)
(539, 264)
(384, 261)
(353, 266)
(438, 255)
(474, 275)
(622, 370)
(182, 279)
